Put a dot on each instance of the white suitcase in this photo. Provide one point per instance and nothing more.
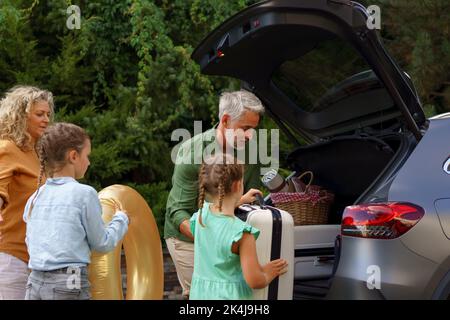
(276, 240)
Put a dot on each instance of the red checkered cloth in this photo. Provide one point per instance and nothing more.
(313, 196)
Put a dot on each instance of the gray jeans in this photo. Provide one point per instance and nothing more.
(63, 284)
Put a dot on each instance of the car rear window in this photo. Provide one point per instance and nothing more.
(315, 79)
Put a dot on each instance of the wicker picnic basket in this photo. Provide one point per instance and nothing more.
(309, 206)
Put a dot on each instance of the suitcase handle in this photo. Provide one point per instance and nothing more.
(260, 201)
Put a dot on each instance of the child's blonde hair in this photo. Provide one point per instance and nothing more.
(216, 176)
(53, 146)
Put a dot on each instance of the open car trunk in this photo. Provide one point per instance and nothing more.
(348, 166)
(290, 52)
(345, 165)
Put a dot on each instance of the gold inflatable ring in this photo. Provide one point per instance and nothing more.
(142, 246)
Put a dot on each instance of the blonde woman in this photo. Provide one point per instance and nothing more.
(25, 113)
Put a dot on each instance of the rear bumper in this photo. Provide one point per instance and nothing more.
(372, 269)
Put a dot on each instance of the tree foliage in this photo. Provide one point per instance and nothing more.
(417, 33)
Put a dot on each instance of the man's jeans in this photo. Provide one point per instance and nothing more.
(63, 284)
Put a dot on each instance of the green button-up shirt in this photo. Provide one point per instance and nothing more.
(183, 197)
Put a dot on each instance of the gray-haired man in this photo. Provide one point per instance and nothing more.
(239, 114)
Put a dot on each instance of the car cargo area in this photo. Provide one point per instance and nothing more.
(346, 166)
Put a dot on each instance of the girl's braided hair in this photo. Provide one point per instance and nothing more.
(52, 149)
(216, 177)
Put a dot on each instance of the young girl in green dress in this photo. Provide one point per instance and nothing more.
(225, 260)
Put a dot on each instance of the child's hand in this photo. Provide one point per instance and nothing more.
(250, 196)
(274, 269)
(118, 207)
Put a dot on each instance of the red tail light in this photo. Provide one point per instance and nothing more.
(380, 220)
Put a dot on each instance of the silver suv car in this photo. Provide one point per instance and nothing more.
(332, 88)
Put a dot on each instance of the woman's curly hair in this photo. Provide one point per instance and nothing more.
(15, 109)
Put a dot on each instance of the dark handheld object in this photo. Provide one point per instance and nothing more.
(260, 200)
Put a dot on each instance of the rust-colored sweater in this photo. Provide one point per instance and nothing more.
(19, 172)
